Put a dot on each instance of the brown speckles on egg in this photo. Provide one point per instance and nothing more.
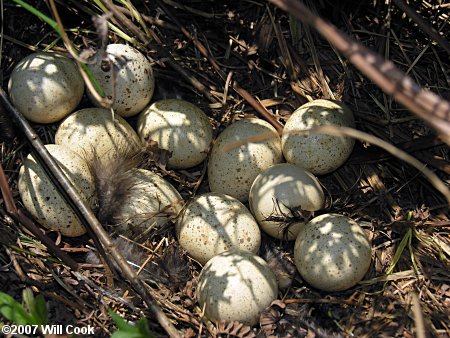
(180, 127)
(221, 222)
(332, 252)
(249, 159)
(134, 81)
(41, 198)
(318, 153)
(236, 285)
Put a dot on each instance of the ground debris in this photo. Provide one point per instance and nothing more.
(282, 64)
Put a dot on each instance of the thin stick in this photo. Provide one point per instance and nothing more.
(418, 317)
(191, 79)
(320, 301)
(19, 216)
(425, 104)
(131, 26)
(258, 107)
(391, 149)
(150, 20)
(103, 101)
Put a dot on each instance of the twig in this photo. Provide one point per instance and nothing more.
(189, 9)
(284, 49)
(421, 22)
(320, 301)
(258, 107)
(103, 101)
(417, 146)
(427, 105)
(227, 85)
(191, 79)
(93, 226)
(118, 13)
(103, 291)
(130, 25)
(201, 48)
(418, 317)
(393, 150)
(150, 20)
(19, 216)
(24, 278)
(242, 92)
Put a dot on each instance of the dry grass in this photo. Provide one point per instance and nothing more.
(282, 64)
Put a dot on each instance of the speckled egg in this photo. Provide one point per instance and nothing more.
(242, 151)
(126, 77)
(97, 130)
(41, 198)
(283, 198)
(318, 153)
(178, 126)
(332, 252)
(213, 223)
(45, 87)
(236, 286)
(151, 202)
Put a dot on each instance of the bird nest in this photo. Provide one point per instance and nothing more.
(236, 59)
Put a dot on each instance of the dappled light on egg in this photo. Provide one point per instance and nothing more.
(45, 87)
(233, 166)
(318, 153)
(236, 285)
(177, 126)
(332, 252)
(283, 198)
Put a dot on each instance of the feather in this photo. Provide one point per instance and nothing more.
(114, 182)
(173, 268)
(101, 28)
(282, 267)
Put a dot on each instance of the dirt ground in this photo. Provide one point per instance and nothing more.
(282, 63)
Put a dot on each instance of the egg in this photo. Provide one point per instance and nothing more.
(241, 152)
(213, 223)
(318, 153)
(236, 286)
(45, 87)
(41, 198)
(283, 198)
(151, 202)
(332, 252)
(97, 131)
(179, 127)
(126, 77)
